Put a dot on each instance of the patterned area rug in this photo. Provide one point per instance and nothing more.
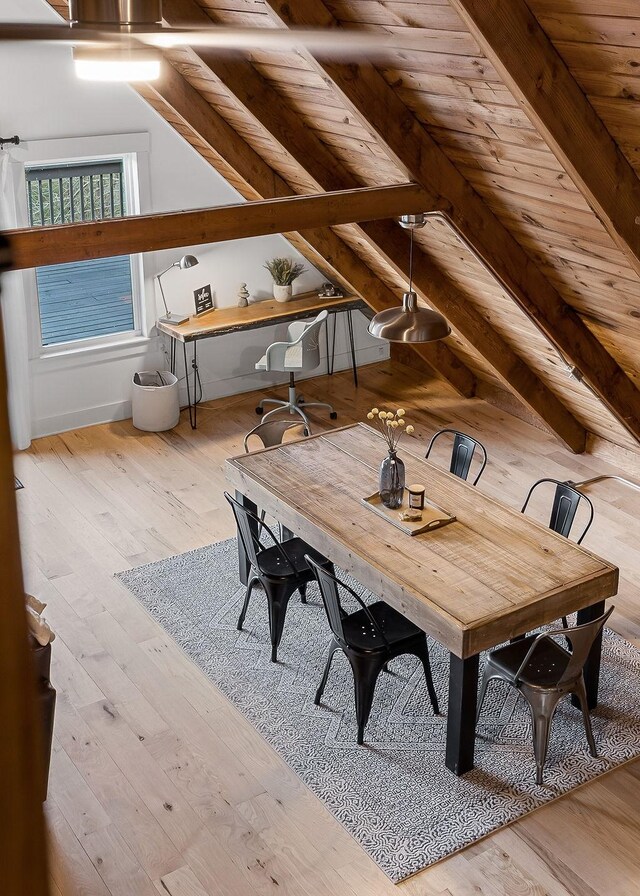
(394, 795)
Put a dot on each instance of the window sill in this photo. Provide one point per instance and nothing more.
(122, 348)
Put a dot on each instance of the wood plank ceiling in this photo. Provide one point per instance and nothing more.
(274, 123)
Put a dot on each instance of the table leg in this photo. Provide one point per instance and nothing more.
(461, 718)
(354, 366)
(194, 364)
(172, 355)
(592, 666)
(244, 565)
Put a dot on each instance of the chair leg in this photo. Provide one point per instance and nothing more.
(277, 600)
(254, 581)
(303, 593)
(325, 675)
(584, 705)
(565, 623)
(542, 707)
(365, 676)
(486, 678)
(423, 654)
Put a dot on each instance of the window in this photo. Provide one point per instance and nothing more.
(87, 299)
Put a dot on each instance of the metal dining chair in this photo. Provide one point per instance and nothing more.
(462, 452)
(280, 568)
(544, 673)
(370, 638)
(566, 500)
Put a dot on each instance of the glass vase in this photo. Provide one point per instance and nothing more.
(391, 481)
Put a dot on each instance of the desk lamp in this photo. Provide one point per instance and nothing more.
(187, 261)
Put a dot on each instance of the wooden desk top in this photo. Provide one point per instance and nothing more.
(257, 314)
(493, 574)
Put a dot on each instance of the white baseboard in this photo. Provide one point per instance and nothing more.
(106, 413)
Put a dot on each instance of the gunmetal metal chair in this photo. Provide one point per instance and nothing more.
(369, 638)
(281, 569)
(464, 447)
(566, 500)
(544, 673)
(300, 352)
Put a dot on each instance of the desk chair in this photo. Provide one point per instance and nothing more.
(300, 352)
(462, 451)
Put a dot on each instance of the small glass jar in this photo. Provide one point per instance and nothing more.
(416, 497)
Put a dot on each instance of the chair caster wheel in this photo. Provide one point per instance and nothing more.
(300, 399)
(333, 415)
(259, 411)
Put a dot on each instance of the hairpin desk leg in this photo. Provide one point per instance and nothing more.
(354, 365)
(194, 364)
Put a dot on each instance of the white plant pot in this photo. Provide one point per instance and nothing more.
(282, 293)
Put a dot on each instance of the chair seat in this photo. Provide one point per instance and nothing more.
(272, 564)
(262, 363)
(360, 633)
(293, 359)
(544, 669)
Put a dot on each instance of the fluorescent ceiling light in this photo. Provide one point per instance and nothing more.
(116, 65)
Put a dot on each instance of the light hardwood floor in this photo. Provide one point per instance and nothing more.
(157, 784)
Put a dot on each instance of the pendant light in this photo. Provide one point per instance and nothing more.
(410, 323)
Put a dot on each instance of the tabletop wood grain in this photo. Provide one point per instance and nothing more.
(492, 574)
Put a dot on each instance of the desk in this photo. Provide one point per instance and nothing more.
(221, 321)
(492, 575)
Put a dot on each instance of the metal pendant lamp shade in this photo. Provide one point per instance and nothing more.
(409, 323)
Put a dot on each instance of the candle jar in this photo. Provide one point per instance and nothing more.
(416, 497)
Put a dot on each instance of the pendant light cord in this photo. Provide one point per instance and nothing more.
(411, 262)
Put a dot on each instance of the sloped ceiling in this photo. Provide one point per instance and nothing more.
(289, 112)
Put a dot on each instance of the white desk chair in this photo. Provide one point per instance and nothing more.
(300, 352)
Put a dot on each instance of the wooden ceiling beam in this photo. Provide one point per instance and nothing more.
(36, 246)
(192, 116)
(378, 107)
(317, 163)
(537, 76)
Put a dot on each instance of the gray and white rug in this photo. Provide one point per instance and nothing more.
(394, 795)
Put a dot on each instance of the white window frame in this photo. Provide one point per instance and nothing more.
(133, 150)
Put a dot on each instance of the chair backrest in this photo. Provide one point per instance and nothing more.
(464, 447)
(250, 529)
(581, 638)
(566, 500)
(271, 432)
(330, 587)
(308, 335)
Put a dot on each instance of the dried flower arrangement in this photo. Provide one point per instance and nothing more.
(390, 425)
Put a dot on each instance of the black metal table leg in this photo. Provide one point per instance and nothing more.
(592, 666)
(461, 718)
(244, 566)
(354, 366)
(172, 355)
(194, 364)
(186, 379)
(286, 534)
(333, 344)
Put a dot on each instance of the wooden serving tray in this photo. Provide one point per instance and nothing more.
(433, 517)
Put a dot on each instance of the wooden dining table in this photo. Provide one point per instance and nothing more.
(490, 576)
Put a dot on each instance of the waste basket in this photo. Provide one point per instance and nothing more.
(155, 401)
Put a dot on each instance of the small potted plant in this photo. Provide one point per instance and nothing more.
(284, 271)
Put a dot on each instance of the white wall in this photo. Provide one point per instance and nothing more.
(47, 102)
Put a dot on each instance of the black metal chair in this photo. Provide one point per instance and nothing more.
(370, 638)
(544, 672)
(281, 569)
(464, 447)
(566, 500)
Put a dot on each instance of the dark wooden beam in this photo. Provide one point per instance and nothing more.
(35, 246)
(531, 67)
(376, 104)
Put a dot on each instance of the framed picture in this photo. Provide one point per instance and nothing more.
(203, 299)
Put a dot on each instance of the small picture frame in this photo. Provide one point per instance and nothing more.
(203, 299)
